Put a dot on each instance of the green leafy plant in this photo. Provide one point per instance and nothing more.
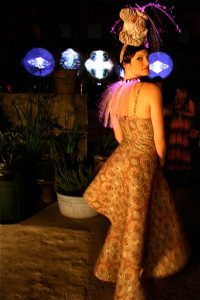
(72, 173)
(9, 146)
(73, 180)
(36, 121)
(10, 143)
(105, 143)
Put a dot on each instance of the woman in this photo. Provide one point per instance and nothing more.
(178, 156)
(145, 238)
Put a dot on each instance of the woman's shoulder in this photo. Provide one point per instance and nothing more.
(150, 89)
(150, 86)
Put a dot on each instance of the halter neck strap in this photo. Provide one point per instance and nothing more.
(136, 98)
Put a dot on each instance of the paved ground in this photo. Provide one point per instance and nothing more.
(186, 191)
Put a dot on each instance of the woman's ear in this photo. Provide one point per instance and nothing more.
(126, 66)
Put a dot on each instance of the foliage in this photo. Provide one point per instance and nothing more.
(73, 180)
(64, 147)
(72, 174)
(106, 143)
(10, 141)
(36, 121)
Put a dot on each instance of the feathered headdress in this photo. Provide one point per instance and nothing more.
(132, 26)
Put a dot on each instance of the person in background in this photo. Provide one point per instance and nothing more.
(179, 155)
(146, 238)
(159, 81)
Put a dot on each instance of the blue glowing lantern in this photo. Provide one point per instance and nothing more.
(161, 64)
(70, 60)
(39, 62)
(99, 65)
(119, 70)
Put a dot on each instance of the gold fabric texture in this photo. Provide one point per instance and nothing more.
(145, 238)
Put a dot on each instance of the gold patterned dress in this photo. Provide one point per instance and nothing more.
(145, 237)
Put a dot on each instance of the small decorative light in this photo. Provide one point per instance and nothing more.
(39, 62)
(119, 70)
(70, 59)
(161, 64)
(99, 65)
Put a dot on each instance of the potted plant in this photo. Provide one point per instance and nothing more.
(22, 157)
(35, 124)
(12, 187)
(72, 174)
(10, 141)
(36, 121)
(70, 185)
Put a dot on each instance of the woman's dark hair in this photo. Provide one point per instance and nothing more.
(130, 52)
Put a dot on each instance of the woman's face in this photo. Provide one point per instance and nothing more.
(181, 94)
(180, 97)
(139, 65)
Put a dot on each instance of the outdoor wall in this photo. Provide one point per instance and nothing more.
(63, 106)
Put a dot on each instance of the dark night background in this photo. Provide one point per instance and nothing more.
(85, 26)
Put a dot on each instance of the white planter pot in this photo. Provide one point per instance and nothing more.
(74, 207)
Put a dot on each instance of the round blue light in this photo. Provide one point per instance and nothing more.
(70, 60)
(161, 64)
(39, 62)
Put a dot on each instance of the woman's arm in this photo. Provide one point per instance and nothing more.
(167, 111)
(190, 113)
(157, 117)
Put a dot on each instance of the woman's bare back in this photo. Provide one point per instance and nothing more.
(136, 103)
